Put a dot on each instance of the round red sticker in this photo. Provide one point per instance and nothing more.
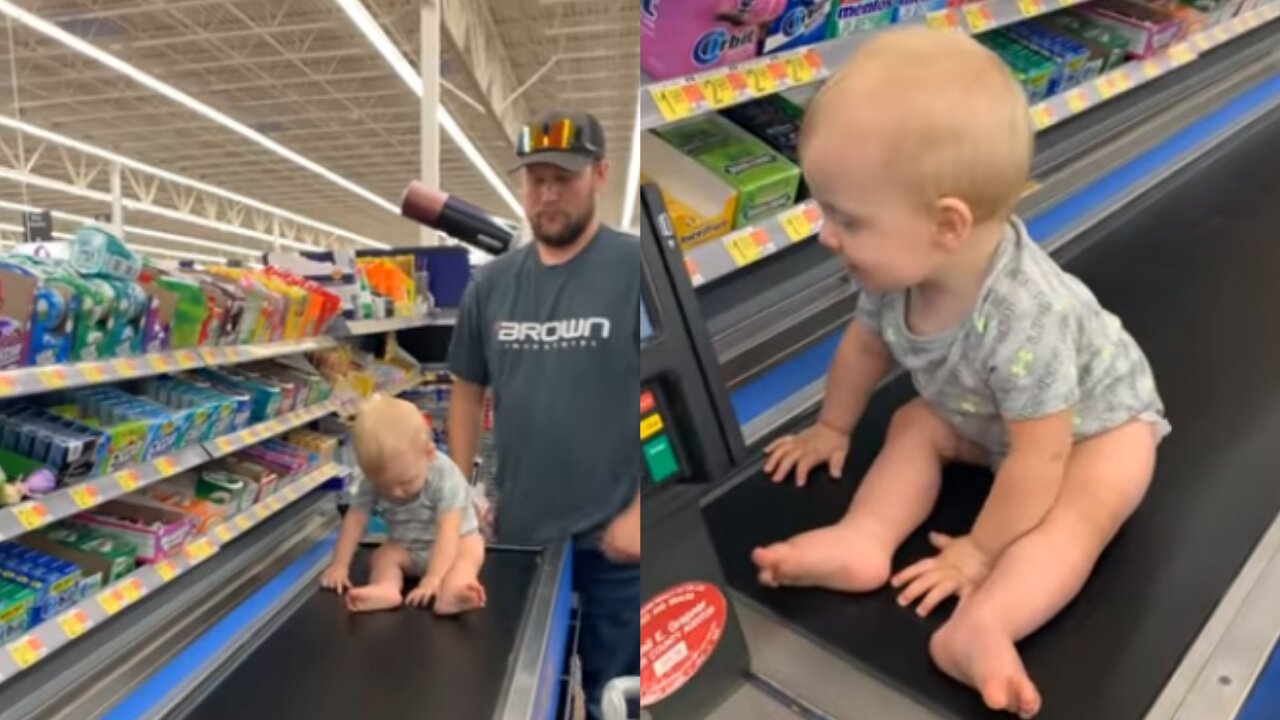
(679, 629)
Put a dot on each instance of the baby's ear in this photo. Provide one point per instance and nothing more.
(953, 221)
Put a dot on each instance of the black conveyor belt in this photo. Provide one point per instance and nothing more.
(323, 662)
(1193, 269)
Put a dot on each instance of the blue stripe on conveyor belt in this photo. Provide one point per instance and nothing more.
(755, 397)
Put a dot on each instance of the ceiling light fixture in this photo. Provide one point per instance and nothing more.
(359, 15)
(47, 28)
(129, 162)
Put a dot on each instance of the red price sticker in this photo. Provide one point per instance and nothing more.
(166, 570)
(796, 225)
(165, 465)
(111, 601)
(84, 496)
(978, 16)
(1030, 8)
(128, 480)
(32, 515)
(132, 591)
(679, 630)
(52, 378)
(1041, 116)
(74, 623)
(1077, 100)
(26, 651)
(942, 20)
(94, 372)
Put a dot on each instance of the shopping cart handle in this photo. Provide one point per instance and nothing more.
(613, 702)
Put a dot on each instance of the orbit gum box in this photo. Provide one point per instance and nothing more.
(803, 22)
(683, 37)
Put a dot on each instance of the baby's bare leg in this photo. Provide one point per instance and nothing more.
(461, 589)
(895, 496)
(386, 580)
(1105, 480)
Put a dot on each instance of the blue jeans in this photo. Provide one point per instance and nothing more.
(609, 624)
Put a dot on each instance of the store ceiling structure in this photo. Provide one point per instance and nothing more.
(300, 73)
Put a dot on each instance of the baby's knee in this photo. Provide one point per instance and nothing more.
(917, 421)
(390, 552)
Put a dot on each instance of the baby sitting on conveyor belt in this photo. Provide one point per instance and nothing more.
(917, 151)
(432, 533)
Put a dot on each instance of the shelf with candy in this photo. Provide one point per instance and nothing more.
(697, 76)
(704, 207)
(65, 610)
(76, 450)
(440, 317)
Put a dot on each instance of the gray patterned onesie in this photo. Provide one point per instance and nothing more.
(1038, 342)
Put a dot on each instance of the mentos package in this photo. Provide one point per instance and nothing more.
(683, 37)
(851, 16)
(55, 583)
(804, 22)
(909, 10)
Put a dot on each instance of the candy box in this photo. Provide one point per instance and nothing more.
(54, 583)
(203, 513)
(851, 16)
(157, 532)
(1147, 29)
(1104, 44)
(701, 205)
(102, 559)
(260, 481)
(803, 22)
(766, 182)
(17, 302)
(16, 602)
(683, 37)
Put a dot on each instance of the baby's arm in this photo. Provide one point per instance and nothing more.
(1027, 483)
(860, 363)
(337, 575)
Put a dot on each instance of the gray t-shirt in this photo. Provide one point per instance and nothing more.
(412, 522)
(559, 346)
(1038, 342)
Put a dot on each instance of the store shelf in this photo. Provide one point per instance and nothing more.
(679, 98)
(254, 434)
(51, 635)
(441, 317)
(248, 353)
(723, 256)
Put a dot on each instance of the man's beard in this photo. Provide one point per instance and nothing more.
(571, 231)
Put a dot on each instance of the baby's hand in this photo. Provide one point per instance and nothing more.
(812, 447)
(957, 570)
(421, 595)
(336, 578)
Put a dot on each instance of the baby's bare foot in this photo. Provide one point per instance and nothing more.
(461, 599)
(835, 557)
(977, 654)
(373, 597)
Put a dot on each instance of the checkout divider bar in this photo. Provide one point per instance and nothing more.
(60, 631)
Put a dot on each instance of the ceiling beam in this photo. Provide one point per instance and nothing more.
(475, 38)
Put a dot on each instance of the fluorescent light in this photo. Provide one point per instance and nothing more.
(633, 174)
(383, 44)
(50, 183)
(178, 254)
(47, 28)
(183, 180)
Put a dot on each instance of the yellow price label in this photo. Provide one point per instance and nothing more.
(32, 515)
(26, 651)
(166, 465)
(84, 496)
(223, 533)
(261, 512)
(74, 623)
(112, 601)
(941, 20)
(759, 80)
(795, 223)
(132, 591)
(717, 91)
(128, 480)
(93, 372)
(123, 368)
(198, 551)
(187, 358)
(160, 363)
(166, 570)
(244, 522)
(7, 384)
(1105, 87)
(799, 70)
(52, 378)
(224, 444)
(1150, 69)
(293, 492)
(1030, 8)
(1181, 54)
(1120, 82)
(742, 248)
(1077, 100)
(671, 102)
(275, 502)
(1041, 116)
(978, 16)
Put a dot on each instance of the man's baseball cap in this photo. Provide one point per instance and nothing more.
(571, 140)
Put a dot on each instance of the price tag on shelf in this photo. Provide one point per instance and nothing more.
(1106, 89)
(243, 522)
(274, 502)
(1077, 100)
(84, 496)
(93, 372)
(261, 512)
(198, 551)
(691, 267)
(128, 480)
(111, 600)
(1150, 68)
(160, 363)
(123, 368)
(800, 69)
(26, 651)
(1181, 54)
(224, 444)
(942, 20)
(978, 16)
(1030, 8)
(6, 383)
(672, 103)
(166, 465)
(717, 91)
(52, 378)
(132, 591)
(31, 515)
(1120, 82)
(293, 491)
(760, 81)
(795, 224)
(166, 570)
(187, 358)
(742, 248)
(223, 533)
(74, 623)
(1042, 115)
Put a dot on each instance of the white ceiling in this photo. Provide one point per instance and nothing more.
(302, 74)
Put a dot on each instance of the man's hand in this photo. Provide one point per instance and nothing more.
(421, 595)
(336, 578)
(621, 542)
(812, 447)
(958, 569)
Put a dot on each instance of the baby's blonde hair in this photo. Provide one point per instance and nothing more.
(386, 430)
(954, 121)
